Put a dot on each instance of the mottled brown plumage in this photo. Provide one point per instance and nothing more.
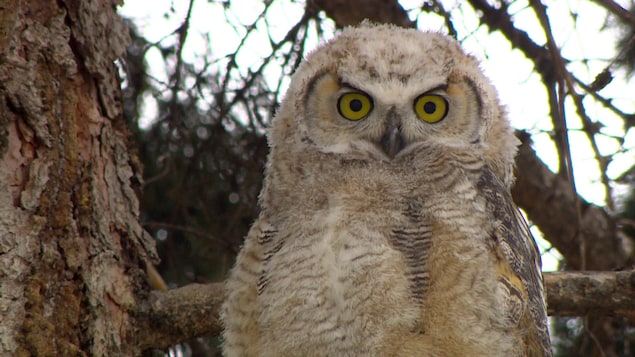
(386, 224)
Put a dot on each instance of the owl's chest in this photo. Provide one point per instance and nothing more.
(335, 283)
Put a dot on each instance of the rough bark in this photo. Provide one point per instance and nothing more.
(580, 293)
(71, 249)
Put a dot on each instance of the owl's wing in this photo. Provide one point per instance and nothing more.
(520, 266)
(240, 309)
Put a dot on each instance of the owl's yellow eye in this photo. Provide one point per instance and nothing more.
(431, 108)
(355, 105)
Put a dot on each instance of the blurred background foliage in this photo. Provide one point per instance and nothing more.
(197, 120)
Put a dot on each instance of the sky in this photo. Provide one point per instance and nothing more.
(580, 37)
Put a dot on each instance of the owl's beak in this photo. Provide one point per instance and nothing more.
(392, 142)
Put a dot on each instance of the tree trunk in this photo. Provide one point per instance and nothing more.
(72, 251)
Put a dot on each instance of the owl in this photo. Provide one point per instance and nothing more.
(386, 224)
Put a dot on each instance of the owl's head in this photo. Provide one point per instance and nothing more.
(377, 92)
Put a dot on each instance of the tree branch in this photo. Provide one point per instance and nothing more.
(549, 202)
(350, 13)
(184, 313)
(547, 198)
(499, 19)
(170, 317)
(617, 10)
(579, 293)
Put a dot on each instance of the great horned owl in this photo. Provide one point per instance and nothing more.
(386, 224)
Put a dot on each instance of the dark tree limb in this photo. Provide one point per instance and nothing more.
(497, 18)
(350, 13)
(550, 203)
(617, 10)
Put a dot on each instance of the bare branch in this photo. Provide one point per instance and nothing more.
(556, 103)
(550, 204)
(180, 314)
(579, 293)
(547, 198)
(499, 19)
(173, 316)
(349, 13)
(617, 10)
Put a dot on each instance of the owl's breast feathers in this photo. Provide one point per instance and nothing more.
(351, 265)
